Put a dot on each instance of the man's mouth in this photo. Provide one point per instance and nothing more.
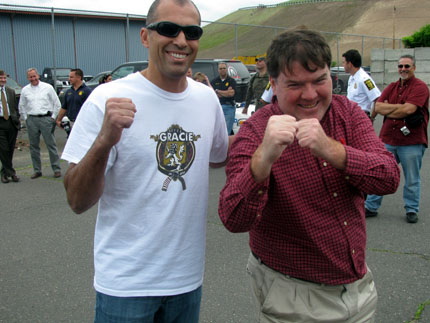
(309, 106)
(178, 55)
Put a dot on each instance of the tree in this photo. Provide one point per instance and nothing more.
(419, 38)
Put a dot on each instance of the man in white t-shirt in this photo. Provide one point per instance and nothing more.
(140, 147)
(361, 87)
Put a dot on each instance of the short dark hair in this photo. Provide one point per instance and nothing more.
(353, 56)
(2, 72)
(303, 46)
(78, 72)
(412, 58)
(152, 12)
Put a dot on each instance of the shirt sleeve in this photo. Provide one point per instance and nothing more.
(242, 200)
(56, 104)
(369, 166)
(419, 95)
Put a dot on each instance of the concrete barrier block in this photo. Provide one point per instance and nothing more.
(425, 77)
(422, 53)
(422, 66)
(378, 77)
(377, 66)
(394, 54)
(377, 54)
(391, 77)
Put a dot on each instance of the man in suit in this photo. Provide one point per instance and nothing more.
(9, 126)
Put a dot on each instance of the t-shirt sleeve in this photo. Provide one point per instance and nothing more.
(84, 132)
(219, 149)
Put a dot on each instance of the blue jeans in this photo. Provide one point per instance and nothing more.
(411, 159)
(229, 114)
(183, 308)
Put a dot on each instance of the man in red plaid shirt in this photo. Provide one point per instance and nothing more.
(295, 180)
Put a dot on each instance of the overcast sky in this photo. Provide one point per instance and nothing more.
(210, 10)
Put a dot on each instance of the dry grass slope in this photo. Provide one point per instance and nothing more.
(362, 17)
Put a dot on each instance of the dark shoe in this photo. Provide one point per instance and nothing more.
(371, 214)
(15, 178)
(57, 174)
(36, 175)
(411, 217)
(4, 179)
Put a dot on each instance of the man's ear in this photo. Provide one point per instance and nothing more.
(144, 37)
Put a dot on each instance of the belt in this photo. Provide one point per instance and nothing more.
(47, 114)
(260, 261)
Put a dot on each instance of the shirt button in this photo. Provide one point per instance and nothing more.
(353, 251)
(347, 177)
(260, 192)
(346, 223)
(325, 164)
(334, 194)
(258, 215)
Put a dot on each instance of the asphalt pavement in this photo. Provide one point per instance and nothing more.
(46, 264)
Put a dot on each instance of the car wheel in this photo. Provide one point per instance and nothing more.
(338, 87)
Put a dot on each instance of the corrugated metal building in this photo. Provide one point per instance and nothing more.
(92, 41)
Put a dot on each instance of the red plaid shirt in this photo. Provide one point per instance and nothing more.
(307, 219)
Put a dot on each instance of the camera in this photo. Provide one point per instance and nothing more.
(66, 126)
(405, 131)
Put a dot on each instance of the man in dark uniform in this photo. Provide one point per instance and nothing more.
(9, 126)
(74, 97)
(225, 88)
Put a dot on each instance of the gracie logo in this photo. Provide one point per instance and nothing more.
(175, 153)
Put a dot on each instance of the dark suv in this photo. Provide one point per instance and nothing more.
(61, 74)
(236, 69)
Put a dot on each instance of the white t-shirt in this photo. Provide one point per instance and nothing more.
(362, 90)
(151, 223)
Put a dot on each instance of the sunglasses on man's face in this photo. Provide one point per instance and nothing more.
(405, 66)
(172, 30)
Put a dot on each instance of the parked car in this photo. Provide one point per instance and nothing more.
(252, 69)
(10, 82)
(236, 69)
(62, 76)
(340, 79)
(239, 117)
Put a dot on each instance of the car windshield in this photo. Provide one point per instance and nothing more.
(123, 71)
(62, 72)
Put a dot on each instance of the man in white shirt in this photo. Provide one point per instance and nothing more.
(141, 147)
(39, 106)
(361, 87)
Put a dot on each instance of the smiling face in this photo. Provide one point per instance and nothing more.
(170, 58)
(33, 77)
(3, 80)
(222, 70)
(406, 68)
(303, 94)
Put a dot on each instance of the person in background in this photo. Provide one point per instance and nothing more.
(9, 127)
(74, 97)
(257, 85)
(225, 89)
(361, 87)
(202, 78)
(295, 177)
(405, 107)
(39, 106)
(190, 72)
(141, 148)
(106, 78)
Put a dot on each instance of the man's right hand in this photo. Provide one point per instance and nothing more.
(280, 133)
(119, 114)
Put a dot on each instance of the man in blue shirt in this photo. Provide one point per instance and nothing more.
(74, 97)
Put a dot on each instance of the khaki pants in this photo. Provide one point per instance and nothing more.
(280, 298)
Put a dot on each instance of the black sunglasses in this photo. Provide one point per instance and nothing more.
(172, 30)
(401, 66)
